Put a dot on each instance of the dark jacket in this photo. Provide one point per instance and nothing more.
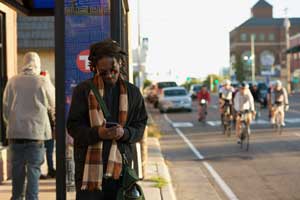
(78, 125)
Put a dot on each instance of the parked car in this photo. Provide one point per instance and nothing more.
(157, 91)
(195, 88)
(174, 98)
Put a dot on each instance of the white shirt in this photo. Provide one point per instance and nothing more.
(244, 102)
(226, 93)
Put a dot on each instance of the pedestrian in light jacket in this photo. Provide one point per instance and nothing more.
(27, 99)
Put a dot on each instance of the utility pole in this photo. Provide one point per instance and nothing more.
(287, 25)
(253, 56)
(140, 67)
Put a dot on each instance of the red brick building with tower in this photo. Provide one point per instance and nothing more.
(269, 40)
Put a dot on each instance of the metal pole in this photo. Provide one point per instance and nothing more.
(288, 61)
(60, 100)
(116, 20)
(287, 25)
(253, 57)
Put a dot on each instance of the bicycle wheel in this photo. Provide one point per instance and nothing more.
(247, 137)
(242, 137)
(279, 129)
(228, 127)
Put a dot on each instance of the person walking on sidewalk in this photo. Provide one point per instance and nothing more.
(27, 99)
(49, 144)
(98, 160)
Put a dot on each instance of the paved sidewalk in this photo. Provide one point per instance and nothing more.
(156, 167)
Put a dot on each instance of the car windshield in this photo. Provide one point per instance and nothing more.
(197, 88)
(172, 93)
(262, 86)
(166, 84)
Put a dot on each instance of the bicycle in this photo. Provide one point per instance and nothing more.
(202, 111)
(278, 123)
(245, 129)
(258, 109)
(226, 120)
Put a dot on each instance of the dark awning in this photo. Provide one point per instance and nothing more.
(32, 7)
(294, 49)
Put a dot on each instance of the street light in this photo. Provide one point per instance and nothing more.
(250, 60)
(287, 25)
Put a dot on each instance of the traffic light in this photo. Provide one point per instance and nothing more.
(216, 81)
(188, 78)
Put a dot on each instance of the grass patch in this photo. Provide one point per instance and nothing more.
(154, 131)
(159, 181)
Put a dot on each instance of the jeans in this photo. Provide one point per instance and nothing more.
(49, 145)
(109, 191)
(26, 159)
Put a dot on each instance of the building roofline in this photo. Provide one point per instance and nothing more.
(262, 4)
(295, 36)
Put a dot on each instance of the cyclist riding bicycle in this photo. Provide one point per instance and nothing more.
(203, 98)
(226, 98)
(280, 102)
(243, 103)
(255, 91)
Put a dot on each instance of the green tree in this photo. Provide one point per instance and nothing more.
(212, 81)
(240, 71)
(147, 83)
(190, 81)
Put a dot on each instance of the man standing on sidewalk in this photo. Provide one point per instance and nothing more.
(27, 99)
(98, 161)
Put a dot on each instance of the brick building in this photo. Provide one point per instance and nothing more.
(295, 61)
(37, 34)
(269, 40)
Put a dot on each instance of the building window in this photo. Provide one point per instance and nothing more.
(271, 37)
(295, 56)
(244, 37)
(261, 37)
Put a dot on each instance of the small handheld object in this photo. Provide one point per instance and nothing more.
(111, 124)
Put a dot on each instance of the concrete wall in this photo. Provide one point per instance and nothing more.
(11, 62)
(11, 39)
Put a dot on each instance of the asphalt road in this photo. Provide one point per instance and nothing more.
(269, 170)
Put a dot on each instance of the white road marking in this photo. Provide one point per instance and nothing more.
(292, 120)
(215, 106)
(211, 170)
(260, 121)
(214, 123)
(297, 134)
(182, 124)
(257, 122)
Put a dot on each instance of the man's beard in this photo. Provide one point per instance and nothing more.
(110, 83)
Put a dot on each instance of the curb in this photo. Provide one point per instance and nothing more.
(167, 192)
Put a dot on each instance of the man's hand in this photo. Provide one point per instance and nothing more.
(286, 108)
(113, 133)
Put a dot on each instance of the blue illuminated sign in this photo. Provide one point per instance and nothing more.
(86, 22)
(43, 4)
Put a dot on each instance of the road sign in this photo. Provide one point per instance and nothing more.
(82, 61)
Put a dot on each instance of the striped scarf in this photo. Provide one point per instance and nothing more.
(93, 168)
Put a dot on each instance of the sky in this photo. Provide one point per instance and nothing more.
(190, 38)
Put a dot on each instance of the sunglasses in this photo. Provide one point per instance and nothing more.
(105, 73)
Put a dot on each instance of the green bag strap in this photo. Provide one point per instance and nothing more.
(99, 99)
